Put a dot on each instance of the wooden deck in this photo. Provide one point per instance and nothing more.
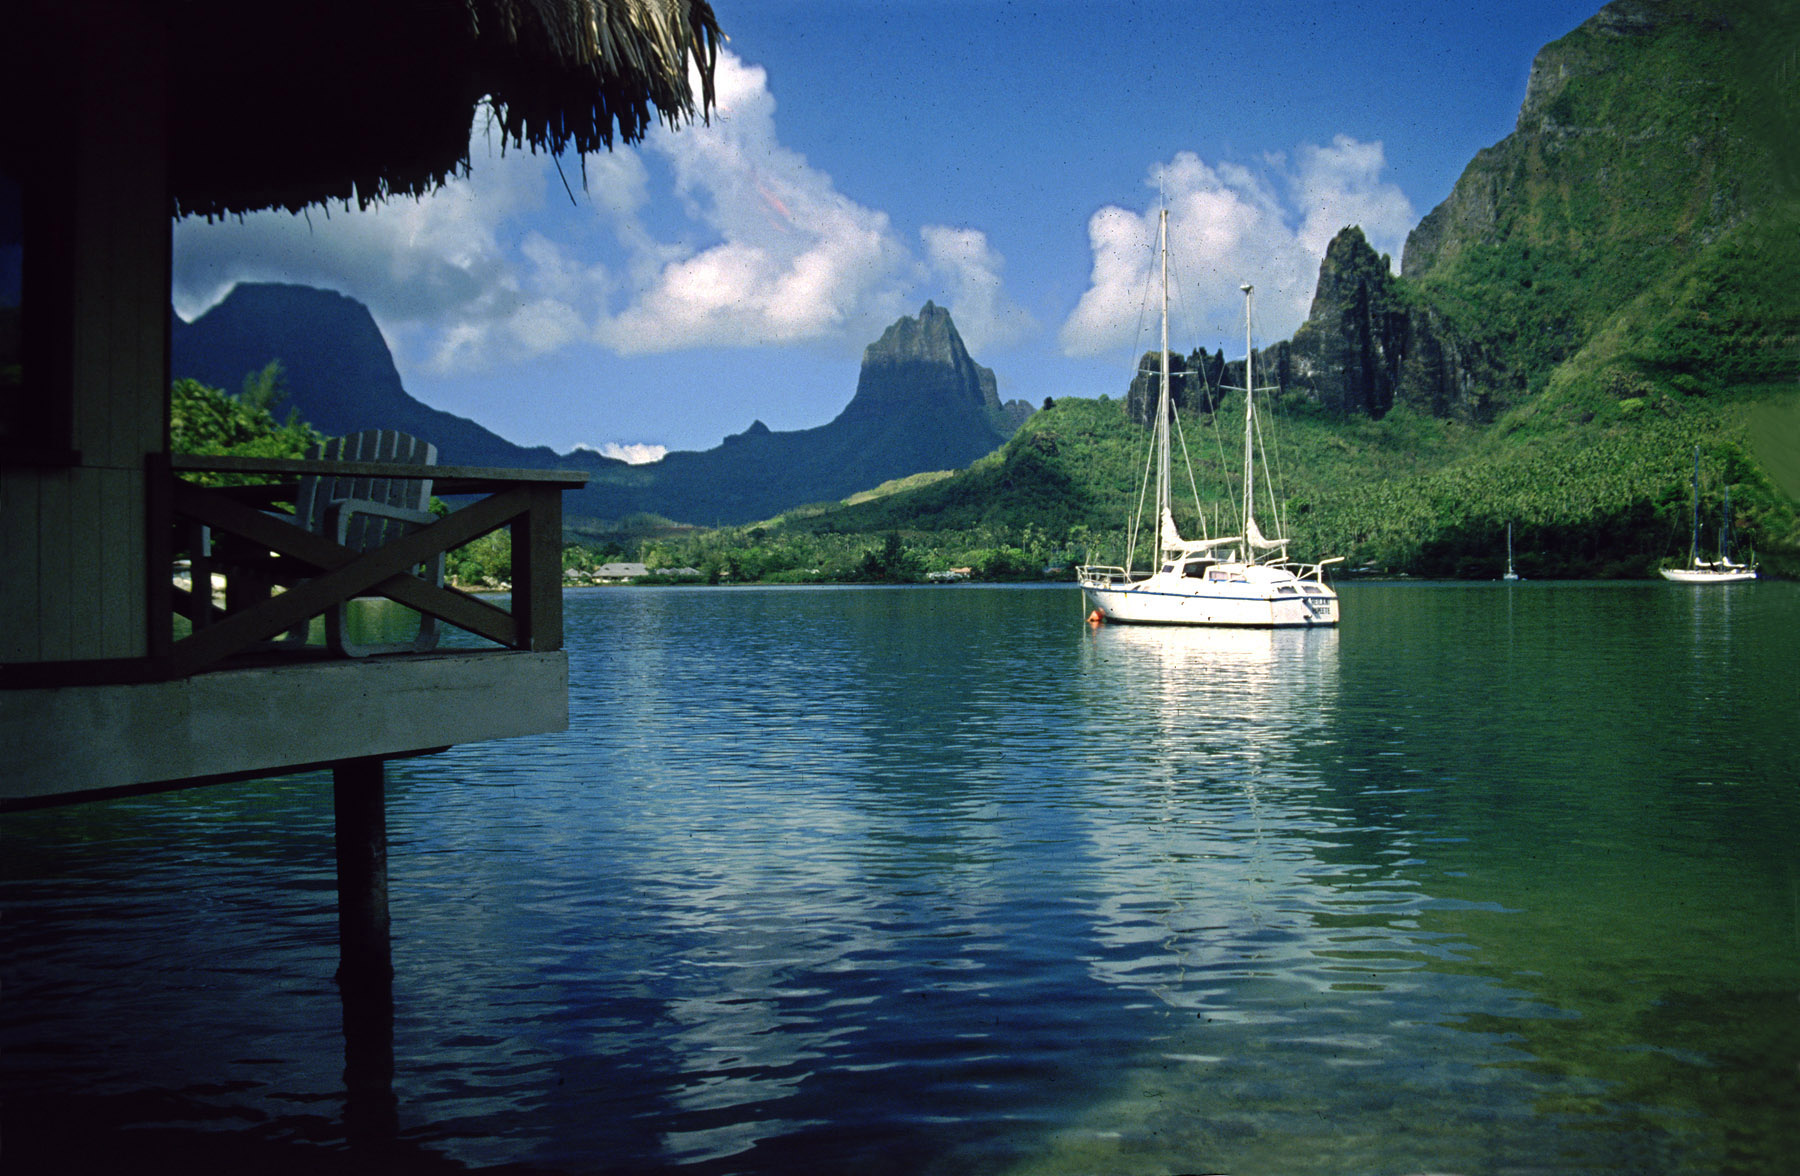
(78, 743)
(224, 701)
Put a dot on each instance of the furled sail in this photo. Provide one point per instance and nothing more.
(1256, 537)
(1171, 538)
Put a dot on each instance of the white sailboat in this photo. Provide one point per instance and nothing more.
(1703, 571)
(1510, 574)
(1244, 581)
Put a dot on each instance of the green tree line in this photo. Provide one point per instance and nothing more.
(1592, 485)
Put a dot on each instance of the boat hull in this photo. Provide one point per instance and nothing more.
(1213, 605)
(1709, 575)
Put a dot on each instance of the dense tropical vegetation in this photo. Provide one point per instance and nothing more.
(1406, 494)
(1594, 484)
(211, 422)
(1614, 284)
(1592, 474)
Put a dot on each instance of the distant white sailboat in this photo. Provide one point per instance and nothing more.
(1702, 571)
(1510, 574)
(1244, 581)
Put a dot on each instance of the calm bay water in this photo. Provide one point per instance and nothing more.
(940, 880)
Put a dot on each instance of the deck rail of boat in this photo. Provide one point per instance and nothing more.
(1109, 574)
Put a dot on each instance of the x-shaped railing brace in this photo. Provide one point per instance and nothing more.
(385, 571)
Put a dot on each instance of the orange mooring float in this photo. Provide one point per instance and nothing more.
(1096, 617)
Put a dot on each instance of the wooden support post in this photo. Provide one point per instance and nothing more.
(159, 558)
(537, 571)
(366, 966)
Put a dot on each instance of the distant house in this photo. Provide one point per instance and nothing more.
(617, 573)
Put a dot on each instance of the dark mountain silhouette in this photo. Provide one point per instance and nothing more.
(340, 374)
(921, 404)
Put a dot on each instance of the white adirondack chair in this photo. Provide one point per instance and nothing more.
(365, 513)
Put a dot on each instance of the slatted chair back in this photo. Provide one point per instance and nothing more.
(363, 513)
(367, 531)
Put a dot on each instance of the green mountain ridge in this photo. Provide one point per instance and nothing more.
(1638, 153)
(1606, 288)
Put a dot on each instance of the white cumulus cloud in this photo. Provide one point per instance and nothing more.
(637, 453)
(786, 258)
(437, 258)
(713, 235)
(1228, 225)
(1341, 185)
(967, 268)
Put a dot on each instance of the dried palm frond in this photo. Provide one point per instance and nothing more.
(361, 100)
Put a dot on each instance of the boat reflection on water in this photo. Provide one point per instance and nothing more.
(1249, 686)
(1226, 793)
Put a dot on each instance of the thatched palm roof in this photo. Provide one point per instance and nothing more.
(282, 106)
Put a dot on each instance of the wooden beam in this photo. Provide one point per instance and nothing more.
(358, 792)
(159, 557)
(62, 742)
(300, 467)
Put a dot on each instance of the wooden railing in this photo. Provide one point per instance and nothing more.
(316, 574)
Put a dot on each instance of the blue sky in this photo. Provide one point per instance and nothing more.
(1001, 159)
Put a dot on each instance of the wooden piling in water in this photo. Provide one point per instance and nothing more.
(365, 962)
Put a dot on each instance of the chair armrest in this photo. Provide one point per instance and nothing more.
(342, 508)
(340, 511)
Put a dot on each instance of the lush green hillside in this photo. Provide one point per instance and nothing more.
(1605, 497)
(1593, 474)
(1605, 289)
(1642, 147)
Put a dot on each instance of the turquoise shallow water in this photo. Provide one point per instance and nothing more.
(1491, 879)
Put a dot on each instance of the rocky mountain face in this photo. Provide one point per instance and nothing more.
(1643, 146)
(921, 403)
(1351, 351)
(1635, 154)
(920, 367)
(1367, 345)
(1629, 143)
(1195, 383)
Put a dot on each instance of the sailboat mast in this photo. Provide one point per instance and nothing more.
(1725, 529)
(1162, 403)
(1694, 534)
(1249, 424)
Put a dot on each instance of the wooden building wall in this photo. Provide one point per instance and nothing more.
(72, 537)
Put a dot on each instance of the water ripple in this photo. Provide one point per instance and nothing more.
(945, 881)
